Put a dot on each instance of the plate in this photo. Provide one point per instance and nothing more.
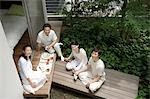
(45, 55)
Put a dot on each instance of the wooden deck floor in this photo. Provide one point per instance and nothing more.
(118, 85)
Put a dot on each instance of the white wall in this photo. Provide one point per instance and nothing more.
(10, 86)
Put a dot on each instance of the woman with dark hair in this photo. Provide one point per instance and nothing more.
(80, 58)
(31, 80)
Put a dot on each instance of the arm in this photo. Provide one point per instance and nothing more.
(95, 79)
(52, 44)
(38, 47)
(33, 84)
(70, 56)
(54, 39)
(25, 69)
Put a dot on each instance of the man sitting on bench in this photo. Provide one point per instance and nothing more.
(47, 38)
(94, 78)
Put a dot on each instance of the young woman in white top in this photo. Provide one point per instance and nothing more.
(93, 78)
(31, 80)
(47, 38)
(80, 58)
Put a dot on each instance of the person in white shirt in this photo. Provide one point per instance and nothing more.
(80, 58)
(31, 80)
(47, 38)
(93, 75)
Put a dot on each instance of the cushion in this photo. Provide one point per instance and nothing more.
(16, 10)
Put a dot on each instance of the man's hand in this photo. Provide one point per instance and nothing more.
(48, 47)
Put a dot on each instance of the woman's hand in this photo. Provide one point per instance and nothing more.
(33, 84)
(77, 72)
(87, 85)
(73, 71)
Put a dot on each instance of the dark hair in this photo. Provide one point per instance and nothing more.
(74, 43)
(46, 25)
(24, 48)
(97, 50)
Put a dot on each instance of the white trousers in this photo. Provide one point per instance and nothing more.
(57, 49)
(72, 65)
(39, 78)
(86, 76)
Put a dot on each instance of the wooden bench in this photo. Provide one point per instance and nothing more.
(44, 92)
(118, 85)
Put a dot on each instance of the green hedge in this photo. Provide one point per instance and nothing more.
(124, 42)
(124, 46)
(122, 49)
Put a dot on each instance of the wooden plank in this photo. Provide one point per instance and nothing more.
(122, 75)
(104, 89)
(111, 78)
(108, 82)
(58, 75)
(101, 93)
(111, 71)
(108, 93)
(83, 90)
(117, 86)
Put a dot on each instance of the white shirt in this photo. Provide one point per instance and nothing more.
(46, 40)
(81, 57)
(25, 69)
(97, 67)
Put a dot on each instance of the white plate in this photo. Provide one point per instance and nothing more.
(45, 55)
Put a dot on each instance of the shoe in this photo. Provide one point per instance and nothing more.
(62, 58)
(92, 91)
(60, 43)
(75, 77)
